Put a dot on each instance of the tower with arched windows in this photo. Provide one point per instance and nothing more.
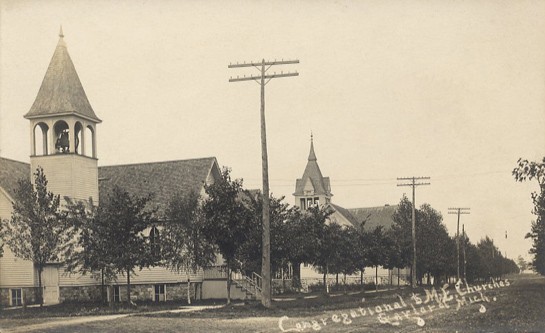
(63, 130)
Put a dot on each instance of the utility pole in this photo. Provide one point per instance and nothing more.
(262, 80)
(464, 250)
(458, 211)
(413, 184)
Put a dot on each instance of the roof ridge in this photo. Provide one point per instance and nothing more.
(158, 162)
(383, 206)
(12, 160)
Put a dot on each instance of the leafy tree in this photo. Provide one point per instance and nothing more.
(37, 230)
(125, 218)
(522, 264)
(348, 263)
(249, 253)
(183, 246)
(304, 229)
(329, 254)
(436, 251)
(227, 220)
(377, 246)
(92, 251)
(402, 230)
(491, 258)
(529, 171)
(475, 267)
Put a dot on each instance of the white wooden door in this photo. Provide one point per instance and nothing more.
(50, 281)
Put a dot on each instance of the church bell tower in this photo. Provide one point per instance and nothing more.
(313, 188)
(63, 131)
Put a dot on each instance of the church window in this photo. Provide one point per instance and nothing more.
(160, 295)
(154, 242)
(117, 297)
(17, 297)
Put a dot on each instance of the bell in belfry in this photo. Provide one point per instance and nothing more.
(63, 142)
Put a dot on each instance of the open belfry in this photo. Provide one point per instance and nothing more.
(63, 129)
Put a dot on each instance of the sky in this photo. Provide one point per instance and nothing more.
(453, 90)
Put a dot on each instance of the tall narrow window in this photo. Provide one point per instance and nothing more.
(160, 295)
(303, 204)
(309, 202)
(154, 242)
(117, 297)
(16, 297)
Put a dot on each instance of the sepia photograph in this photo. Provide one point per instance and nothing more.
(272, 166)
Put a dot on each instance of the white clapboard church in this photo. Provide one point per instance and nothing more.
(63, 137)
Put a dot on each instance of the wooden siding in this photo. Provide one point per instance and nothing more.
(147, 275)
(160, 275)
(70, 175)
(14, 272)
(76, 279)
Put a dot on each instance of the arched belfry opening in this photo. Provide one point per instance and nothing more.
(62, 137)
(89, 144)
(39, 142)
(79, 138)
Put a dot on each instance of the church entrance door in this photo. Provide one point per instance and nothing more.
(50, 281)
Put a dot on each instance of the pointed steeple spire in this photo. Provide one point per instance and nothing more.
(61, 91)
(312, 155)
(312, 174)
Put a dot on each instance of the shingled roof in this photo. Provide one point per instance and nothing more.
(10, 172)
(374, 216)
(347, 214)
(313, 174)
(61, 91)
(162, 179)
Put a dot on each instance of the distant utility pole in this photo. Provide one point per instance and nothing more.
(413, 184)
(464, 250)
(262, 80)
(458, 211)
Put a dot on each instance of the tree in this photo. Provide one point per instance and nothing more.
(329, 254)
(125, 218)
(37, 230)
(401, 228)
(92, 251)
(522, 264)
(227, 220)
(435, 249)
(249, 252)
(184, 248)
(529, 171)
(377, 247)
(304, 229)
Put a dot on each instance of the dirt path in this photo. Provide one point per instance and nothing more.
(71, 321)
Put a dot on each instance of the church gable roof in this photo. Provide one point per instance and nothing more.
(374, 216)
(162, 179)
(61, 91)
(10, 172)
